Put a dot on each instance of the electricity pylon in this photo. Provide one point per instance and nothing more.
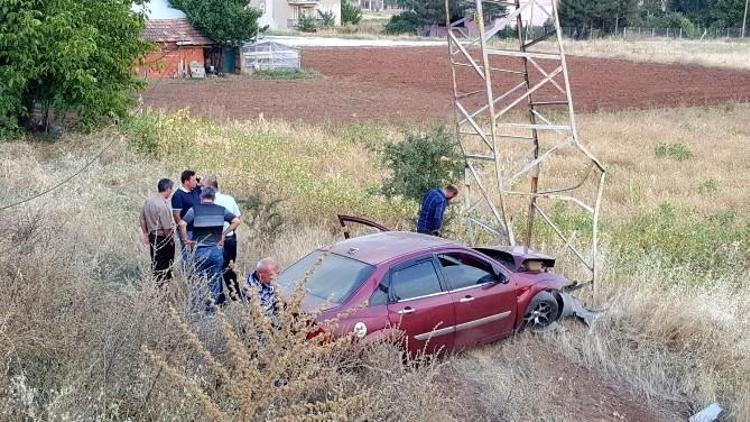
(514, 119)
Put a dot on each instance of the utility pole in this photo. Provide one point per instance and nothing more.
(504, 149)
(744, 19)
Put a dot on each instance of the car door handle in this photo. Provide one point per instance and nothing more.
(407, 310)
(466, 299)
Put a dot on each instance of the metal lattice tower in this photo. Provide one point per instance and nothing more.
(515, 118)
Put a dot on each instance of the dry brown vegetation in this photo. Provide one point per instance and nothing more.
(85, 336)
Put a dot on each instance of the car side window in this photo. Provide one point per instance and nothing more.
(464, 270)
(380, 295)
(419, 279)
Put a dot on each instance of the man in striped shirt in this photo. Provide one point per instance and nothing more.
(433, 208)
(207, 239)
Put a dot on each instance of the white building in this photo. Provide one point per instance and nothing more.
(282, 15)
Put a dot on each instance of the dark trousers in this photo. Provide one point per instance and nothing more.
(162, 256)
(230, 256)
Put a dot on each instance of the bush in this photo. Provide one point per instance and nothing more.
(403, 23)
(327, 18)
(422, 161)
(677, 20)
(68, 56)
(350, 13)
(306, 23)
(285, 74)
(677, 152)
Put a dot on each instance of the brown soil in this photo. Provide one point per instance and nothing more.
(415, 84)
(568, 392)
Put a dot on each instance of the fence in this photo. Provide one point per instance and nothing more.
(642, 33)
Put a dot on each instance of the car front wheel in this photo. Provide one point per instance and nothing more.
(543, 310)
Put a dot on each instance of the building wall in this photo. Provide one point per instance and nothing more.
(278, 13)
(170, 61)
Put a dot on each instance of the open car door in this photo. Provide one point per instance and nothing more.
(352, 220)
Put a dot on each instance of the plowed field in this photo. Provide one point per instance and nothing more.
(415, 84)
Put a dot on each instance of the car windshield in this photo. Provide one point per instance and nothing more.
(334, 280)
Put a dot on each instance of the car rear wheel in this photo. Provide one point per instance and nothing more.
(543, 310)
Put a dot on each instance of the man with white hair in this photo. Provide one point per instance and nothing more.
(260, 282)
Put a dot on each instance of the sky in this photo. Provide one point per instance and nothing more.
(160, 9)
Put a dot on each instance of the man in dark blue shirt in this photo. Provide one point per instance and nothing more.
(184, 198)
(433, 208)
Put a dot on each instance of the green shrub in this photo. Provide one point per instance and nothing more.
(68, 56)
(675, 20)
(422, 161)
(264, 218)
(677, 152)
(306, 23)
(403, 23)
(285, 74)
(350, 14)
(708, 187)
(327, 18)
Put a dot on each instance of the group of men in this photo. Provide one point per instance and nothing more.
(203, 221)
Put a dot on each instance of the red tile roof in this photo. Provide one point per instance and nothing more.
(174, 30)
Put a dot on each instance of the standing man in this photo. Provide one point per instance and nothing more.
(433, 208)
(185, 198)
(157, 229)
(230, 241)
(207, 239)
(260, 283)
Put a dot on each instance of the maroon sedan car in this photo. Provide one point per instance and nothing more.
(439, 294)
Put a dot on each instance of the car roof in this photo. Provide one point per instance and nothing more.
(379, 247)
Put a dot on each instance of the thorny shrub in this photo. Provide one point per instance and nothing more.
(76, 347)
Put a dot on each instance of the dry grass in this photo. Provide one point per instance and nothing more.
(84, 335)
(719, 53)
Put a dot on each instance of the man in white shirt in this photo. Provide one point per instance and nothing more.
(230, 241)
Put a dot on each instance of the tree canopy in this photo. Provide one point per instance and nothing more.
(68, 56)
(229, 23)
(420, 13)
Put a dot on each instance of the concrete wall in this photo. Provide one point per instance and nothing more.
(170, 61)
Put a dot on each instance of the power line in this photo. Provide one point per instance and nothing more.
(64, 181)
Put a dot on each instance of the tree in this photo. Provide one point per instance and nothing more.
(350, 13)
(605, 15)
(698, 11)
(727, 13)
(68, 56)
(229, 23)
(576, 14)
(420, 13)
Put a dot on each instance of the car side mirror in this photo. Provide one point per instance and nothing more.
(500, 277)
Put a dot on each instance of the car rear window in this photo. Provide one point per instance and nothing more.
(336, 278)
